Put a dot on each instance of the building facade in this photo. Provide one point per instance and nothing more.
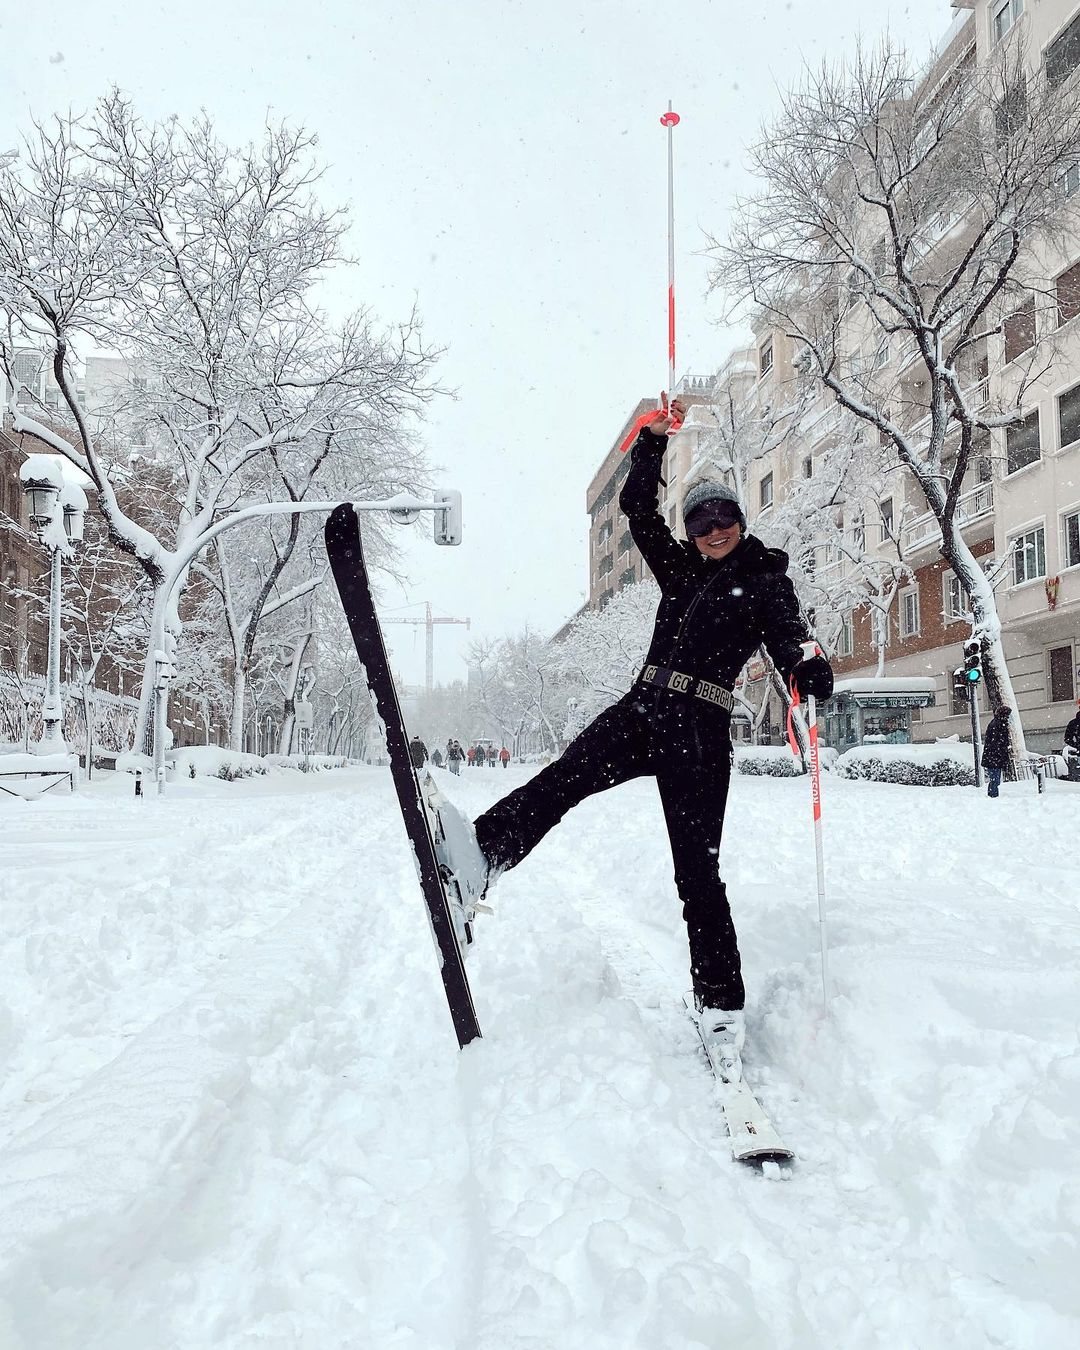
(1019, 503)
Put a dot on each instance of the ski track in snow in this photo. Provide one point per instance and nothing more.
(233, 1113)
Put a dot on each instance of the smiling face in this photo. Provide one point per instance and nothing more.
(720, 541)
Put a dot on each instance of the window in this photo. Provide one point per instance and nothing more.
(1068, 294)
(765, 357)
(1019, 329)
(626, 541)
(1010, 115)
(845, 642)
(1003, 14)
(858, 535)
(628, 578)
(1063, 54)
(605, 532)
(808, 466)
(886, 509)
(1070, 180)
(606, 564)
(1069, 416)
(766, 492)
(955, 600)
(1060, 684)
(1022, 443)
(1029, 556)
(909, 612)
(1070, 539)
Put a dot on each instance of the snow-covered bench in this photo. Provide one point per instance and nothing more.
(55, 768)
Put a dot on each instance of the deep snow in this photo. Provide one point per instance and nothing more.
(233, 1115)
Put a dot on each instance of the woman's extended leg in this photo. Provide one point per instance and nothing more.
(611, 749)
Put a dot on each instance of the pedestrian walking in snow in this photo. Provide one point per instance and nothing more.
(454, 756)
(492, 756)
(995, 751)
(470, 756)
(723, 593)
(436, 757)
(417, 752)
(504, 755)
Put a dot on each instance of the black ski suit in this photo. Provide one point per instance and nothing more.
(712, 616)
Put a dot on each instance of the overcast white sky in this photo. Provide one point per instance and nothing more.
(506, 167)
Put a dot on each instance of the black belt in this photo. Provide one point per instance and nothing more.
(678, 683)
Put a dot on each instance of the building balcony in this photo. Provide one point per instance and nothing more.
(975, 504)
(818, 423)
(976, 396)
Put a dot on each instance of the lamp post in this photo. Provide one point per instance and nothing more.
(56, 511)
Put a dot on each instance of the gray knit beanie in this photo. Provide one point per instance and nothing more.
(708, 490)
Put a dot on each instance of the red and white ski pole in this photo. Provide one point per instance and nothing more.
(809, 650)
(669, 120)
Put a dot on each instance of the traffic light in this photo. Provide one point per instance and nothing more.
(959, 683)
(973, 661)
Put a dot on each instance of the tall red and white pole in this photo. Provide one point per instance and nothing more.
(812, 649)
(670, 120)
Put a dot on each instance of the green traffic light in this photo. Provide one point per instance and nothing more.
(974, 676)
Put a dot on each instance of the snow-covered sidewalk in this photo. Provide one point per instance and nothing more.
(232, 1113)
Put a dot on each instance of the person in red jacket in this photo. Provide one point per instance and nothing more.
(504, 755)
(470, 756)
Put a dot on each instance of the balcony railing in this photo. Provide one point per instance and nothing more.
(817, 423)
(972, 505)
(976, 396)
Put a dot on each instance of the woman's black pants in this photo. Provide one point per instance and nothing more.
(688, 750)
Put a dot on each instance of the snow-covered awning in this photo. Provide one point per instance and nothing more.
(888, 691)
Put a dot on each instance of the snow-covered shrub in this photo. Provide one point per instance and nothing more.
(948, 764)
(212, 761)
(775, 761)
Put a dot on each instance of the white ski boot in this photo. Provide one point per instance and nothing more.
(465, 870)
(723, 1034)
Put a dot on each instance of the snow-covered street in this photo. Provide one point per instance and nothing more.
(233, 1114)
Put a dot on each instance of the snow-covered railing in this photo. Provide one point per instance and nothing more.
(971, 505)
(976, 396)
(818, 424)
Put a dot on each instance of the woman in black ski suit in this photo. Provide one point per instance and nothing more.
(723, 593)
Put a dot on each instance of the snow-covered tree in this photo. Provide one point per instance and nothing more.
(604, 649)
(903, 217)
(515, 686)
(197, 263)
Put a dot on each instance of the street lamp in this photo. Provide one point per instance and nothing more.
(56, 511)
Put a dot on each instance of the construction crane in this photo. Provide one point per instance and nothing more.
(429, 623)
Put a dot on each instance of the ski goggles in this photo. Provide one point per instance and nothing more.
(709, 516)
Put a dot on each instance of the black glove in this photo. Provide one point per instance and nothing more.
(813, 676)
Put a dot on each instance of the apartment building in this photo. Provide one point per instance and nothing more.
(614, 561)
(1019, 507)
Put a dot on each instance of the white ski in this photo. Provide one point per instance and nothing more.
(753, 1135)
